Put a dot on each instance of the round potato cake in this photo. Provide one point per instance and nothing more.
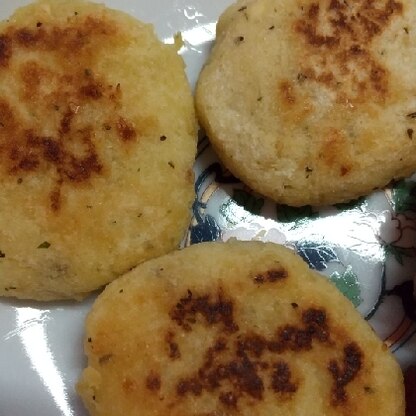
(236, 328)
(313, 101)
(97, 143)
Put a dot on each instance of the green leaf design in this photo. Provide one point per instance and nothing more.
(248, 201)
(294, 214)
(348, 284)
(404, 196)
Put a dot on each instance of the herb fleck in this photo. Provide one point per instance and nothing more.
(301, 77)
(410, 133)
(87, 72)
(163, 138)
(2, 255)
(411, 115)
(239, 39)
(271, 27)
(45, 244)
(171, 164)
(19, 181)
(406, 29)
(241, 9)
(38, 24)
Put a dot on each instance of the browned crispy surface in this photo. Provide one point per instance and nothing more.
(97, 141)
(253, 332)
(311, 102)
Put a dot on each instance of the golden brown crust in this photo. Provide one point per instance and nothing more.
(307, 101)
(69, 153)
(253, 332)
(86, 95)
(338, 36)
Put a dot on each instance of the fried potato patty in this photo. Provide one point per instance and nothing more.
(97, 142)
(313, 101)
(236, 328)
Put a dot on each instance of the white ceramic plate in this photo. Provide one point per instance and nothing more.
(368, 247)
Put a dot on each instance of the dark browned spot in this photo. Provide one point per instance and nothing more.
(105, 359)
(173, 348)
(65, 126)
(92, 90)
(271, 276)
(339, 37)
(410, 133)
(287, 93)
(213, 311)
(281, 378)
(253, 344)
(69, 152)
(245, 361)
(191, 385)
(228, 399)
(344, 170)
(290, 337)
(129, 385)
(153, 382)
(5, 50)
(345, 373)
(241, 372)
(28, 38)
(126, 130)
(368, 390)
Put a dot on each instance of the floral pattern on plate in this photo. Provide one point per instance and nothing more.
(366, 247)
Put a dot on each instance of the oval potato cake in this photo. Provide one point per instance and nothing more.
(97, 143)
(236, 328)
(313, 101)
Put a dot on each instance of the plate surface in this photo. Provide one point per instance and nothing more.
(367, 247)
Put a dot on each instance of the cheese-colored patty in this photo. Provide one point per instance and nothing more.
(236, 328)
(313, 101)
(97, 142)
